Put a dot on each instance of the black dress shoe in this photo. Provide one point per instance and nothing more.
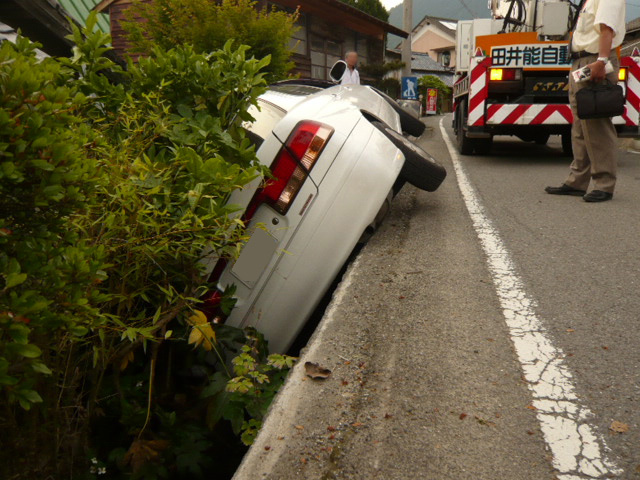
(565, 190)
(597, 196)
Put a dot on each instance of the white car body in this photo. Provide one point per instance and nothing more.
(291, 260)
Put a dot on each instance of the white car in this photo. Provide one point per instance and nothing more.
(336, 154)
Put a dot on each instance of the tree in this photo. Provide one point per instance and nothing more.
(431, 81)
(375, 8)
(208, 25)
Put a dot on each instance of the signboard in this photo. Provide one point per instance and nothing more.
(410, 88)
(530, 56)
(432, 101)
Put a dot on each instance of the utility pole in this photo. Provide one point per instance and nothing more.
(407, 25)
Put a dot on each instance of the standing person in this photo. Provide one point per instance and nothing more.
(599, 31)
(351, 75)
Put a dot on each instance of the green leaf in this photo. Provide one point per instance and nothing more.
(19, 333)
(28, 351)
(14, 279)
(41, 368)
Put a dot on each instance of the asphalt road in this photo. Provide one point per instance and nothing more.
(426, 382)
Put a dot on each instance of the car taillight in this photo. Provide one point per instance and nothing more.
(291, 167)
(211, 304)
(504, 74)
(622, 74)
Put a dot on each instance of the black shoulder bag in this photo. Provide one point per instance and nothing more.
(600, 100)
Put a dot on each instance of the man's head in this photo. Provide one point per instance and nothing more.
(352, 59)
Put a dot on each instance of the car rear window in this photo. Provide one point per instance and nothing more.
(266, 117)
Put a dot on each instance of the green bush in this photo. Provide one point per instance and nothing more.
(111, 196)
(50, 271)
(444, 91)
(207, 26)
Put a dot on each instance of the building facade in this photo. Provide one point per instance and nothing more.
(328, 29)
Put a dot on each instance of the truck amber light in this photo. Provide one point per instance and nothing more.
(622, 75)
(495, 74)
(291, 167)
(504, 74)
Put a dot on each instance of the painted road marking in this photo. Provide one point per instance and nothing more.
(578, 452)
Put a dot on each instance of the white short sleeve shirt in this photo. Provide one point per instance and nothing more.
(350, 77)
(611, 13)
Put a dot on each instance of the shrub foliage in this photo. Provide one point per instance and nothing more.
(208, 25)
(111, 196)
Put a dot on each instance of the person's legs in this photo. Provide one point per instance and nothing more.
(601, 140)
(580, 169)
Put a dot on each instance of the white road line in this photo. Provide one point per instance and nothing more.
(578, 453)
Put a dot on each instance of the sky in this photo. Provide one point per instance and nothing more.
(633, 7)
(391, 3)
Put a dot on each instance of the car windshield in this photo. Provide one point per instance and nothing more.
(266, 117)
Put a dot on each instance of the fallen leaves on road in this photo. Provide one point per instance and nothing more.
(618, 427)
(531, 407)
(299, 427)
(387, 415)
(463, 416)
(315, 371)
(570, 330)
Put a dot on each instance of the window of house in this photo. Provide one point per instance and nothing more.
(298, 42)
(324, 53)
(444, 58)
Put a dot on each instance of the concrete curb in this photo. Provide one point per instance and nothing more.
(265, 452)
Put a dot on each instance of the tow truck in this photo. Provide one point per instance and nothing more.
(512, 76)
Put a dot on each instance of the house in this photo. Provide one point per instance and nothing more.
(46, 22)
(422, 64)
(436, 37)
(328, 30)
(41, 21)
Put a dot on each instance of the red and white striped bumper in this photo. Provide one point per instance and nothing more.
(482, 112)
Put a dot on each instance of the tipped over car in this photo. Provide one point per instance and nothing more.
(337, 155)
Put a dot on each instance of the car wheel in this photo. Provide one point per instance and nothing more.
(409, 123)
(420, 169)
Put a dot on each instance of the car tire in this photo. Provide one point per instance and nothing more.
(420, 169)
(410, 124)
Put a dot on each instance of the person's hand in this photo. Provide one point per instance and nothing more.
(597, 71)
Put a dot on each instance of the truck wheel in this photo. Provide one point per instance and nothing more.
(409, 123)
(567, 147)
(542, 139)
(420, 169)
(464, 143)
(482, 146)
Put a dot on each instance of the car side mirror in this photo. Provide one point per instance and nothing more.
(337, 71)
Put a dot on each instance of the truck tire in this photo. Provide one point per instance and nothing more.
(542, 139)
(420, 169)
(465, 144)
(567, 147)
(410, 123)
(482, 146)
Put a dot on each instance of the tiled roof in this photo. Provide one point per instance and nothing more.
(80, 9)
(422, 61)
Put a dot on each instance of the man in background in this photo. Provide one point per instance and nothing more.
(599, 31)
(351, 75)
